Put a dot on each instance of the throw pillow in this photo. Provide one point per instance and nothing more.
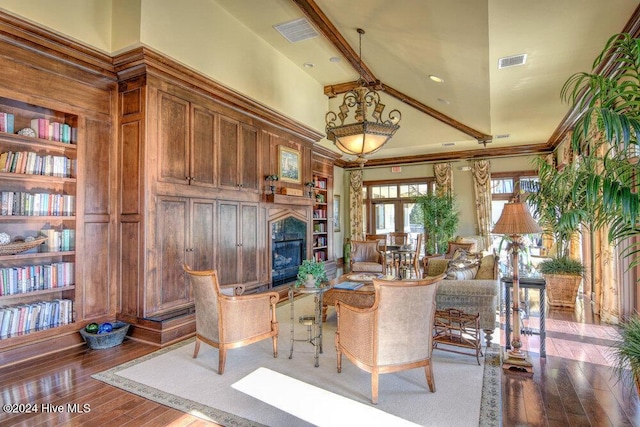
(487, 268)
(463, 266)
(462, 273)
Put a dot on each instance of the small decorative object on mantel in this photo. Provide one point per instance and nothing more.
(271, 179)
(310, 186)
(311, 273)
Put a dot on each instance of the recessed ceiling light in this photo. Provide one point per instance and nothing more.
(501, 136)
(308, 65)
(444, 101)
(334, 59)
(448, 144)
(436, 78)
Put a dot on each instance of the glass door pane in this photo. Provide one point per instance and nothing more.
(385, 218)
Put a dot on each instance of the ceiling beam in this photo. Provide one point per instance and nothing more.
(311, 10)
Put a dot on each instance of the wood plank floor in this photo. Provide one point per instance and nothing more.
(572, 386)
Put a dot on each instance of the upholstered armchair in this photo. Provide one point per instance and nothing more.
(394, 334)
(230, 321)
(366, 257)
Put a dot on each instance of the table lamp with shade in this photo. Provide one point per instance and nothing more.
(515, 221)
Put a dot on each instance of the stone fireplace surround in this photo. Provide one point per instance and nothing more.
(289, 231)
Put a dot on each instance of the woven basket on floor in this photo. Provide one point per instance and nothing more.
(17, 247)
(108, 339)
(562, 289)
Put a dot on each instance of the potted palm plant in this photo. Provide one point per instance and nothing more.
(625, 353)
(311, 273)
(440, 217)
(555, 205)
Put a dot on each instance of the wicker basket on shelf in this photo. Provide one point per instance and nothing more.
(13, 248)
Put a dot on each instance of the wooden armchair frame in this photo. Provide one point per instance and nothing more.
(227, 322)
(409, 305)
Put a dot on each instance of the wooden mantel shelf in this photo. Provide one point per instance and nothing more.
(288, 200)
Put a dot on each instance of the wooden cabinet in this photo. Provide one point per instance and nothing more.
(239, 228)
(185, 140)
(184, 234)
(239, 160)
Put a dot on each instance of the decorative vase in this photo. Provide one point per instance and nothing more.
(310, 282)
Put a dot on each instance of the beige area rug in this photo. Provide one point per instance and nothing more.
(466, 394)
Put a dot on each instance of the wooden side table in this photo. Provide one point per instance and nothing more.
(455, 328)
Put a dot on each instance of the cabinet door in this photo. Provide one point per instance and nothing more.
(249, 160)
(172, 221)
(228, 243)
(203, 165)
(228, 158)
(202, 234)
(249, 244)
(173, 139)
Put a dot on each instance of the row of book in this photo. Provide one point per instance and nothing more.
(54, 131)
(31, 278)
(7, 122)
(58, 240)
(36, 204)
(319, 183)
(319, 213)
(26, 162)
(25, 318)
(319, 227)
(320, 256)
(320, 241)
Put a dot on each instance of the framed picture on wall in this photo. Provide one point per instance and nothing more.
(288, 164)
(336, 213)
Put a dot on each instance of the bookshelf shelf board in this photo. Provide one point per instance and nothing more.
(36, 293)
(36, 255)
(53, 180)
(319, 248)
(28, 337)
(37, 144)
(37, 218)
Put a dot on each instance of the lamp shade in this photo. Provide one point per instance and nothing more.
(516, 219)
(361, 138)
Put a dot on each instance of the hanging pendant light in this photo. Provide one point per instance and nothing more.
(365, 135)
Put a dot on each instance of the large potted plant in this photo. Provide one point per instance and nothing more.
(625, 352)
(555, 205)
(438, 214)
(311, 273)
(563, 276)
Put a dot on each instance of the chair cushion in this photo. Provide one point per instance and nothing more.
(371, 267)
(456, 273)
(463, 266)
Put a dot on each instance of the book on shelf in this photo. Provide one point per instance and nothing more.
(351, 286)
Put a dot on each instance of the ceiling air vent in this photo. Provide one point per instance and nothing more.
(512, 61)
(296, 31)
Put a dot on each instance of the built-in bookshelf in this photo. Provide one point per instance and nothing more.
(320, 218)
(38, 173)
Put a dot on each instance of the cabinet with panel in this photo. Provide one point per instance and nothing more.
(184, 234)
(239, 160)
(185, 140)
(238, 233)
(38, 171)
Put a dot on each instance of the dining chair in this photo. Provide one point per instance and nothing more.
(415, 261)
(394, 334)
(226, 322)
(399, 239)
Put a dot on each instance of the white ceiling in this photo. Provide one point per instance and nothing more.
(461, 42)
